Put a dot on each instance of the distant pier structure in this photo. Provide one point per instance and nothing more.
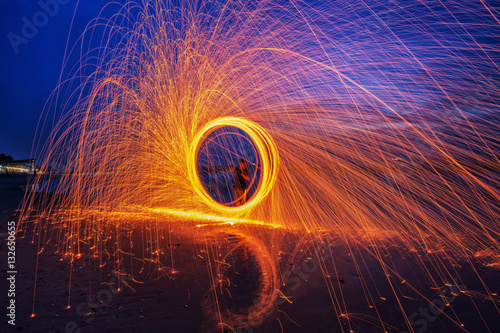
(19, 166)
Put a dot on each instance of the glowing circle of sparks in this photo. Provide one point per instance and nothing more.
(268, 156)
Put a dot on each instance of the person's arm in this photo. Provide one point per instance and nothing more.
(245, 175)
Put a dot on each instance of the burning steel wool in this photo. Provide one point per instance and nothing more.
(369, 131)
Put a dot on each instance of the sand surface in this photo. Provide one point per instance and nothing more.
(135, 295)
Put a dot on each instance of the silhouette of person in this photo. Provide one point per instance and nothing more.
(241, 176)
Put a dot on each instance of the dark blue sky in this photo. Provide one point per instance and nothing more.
(29, 74)
(31, 60)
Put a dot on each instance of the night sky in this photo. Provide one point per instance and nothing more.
(28, 76)
(31, 61)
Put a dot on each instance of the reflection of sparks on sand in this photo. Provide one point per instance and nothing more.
(265, 242)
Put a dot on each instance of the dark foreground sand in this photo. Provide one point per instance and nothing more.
(141, 298)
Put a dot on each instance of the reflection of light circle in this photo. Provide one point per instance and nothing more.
(268, 155)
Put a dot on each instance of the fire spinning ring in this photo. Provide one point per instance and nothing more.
(268, 157)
